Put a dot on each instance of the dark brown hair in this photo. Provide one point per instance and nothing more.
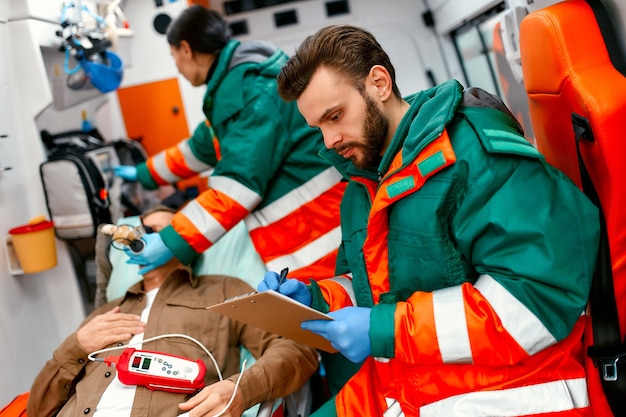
(205, 30)
(349, 50)
(157, 208)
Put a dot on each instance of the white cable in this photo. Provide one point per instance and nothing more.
(184, 336)
(243, 368)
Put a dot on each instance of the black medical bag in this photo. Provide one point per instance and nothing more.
(79, 183)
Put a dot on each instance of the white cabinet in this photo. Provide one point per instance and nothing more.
(37, 311)
(5, 107)
(4, 11)
(40, 9)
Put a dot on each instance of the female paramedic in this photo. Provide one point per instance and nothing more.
(265, 158)
(266, 167)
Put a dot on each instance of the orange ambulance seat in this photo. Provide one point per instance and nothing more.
(17, 407)
(568, 71)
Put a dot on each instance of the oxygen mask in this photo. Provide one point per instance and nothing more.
(126, 235)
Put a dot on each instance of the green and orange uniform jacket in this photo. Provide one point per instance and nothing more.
(476, 258)
(266, 170)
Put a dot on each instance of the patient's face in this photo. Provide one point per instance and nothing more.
(157, 220)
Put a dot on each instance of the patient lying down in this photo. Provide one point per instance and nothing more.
(169, 300)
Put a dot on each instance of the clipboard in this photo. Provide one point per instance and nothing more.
(276, 313)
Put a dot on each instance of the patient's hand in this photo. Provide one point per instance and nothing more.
(212, 399)
(110, 327)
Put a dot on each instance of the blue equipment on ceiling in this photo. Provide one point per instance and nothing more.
(97, 65)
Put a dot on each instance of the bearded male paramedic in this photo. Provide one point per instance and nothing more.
(466, 259)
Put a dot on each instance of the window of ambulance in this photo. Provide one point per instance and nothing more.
(473, 42)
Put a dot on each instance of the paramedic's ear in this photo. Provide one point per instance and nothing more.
(380, 82)
(185, 48)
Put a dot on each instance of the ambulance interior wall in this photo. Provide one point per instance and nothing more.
(37, 311)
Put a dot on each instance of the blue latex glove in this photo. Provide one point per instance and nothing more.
(348, 333)
(153, 255)
(292, 288)
(127, 172)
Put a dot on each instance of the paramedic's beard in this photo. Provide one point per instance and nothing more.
(368, 153)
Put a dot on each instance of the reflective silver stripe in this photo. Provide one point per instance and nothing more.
(347, 286)
(191, 161)
(393, 408)
(309, 253)
(206, 173)
(451, 325)
(550, 397)
(294, 199)
(204, 221)
(235, 190)
(162, 170)
(517, 319)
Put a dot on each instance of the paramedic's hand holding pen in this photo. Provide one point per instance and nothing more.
(108, 328)
(348, 333)
(154, 254)
(290, 287)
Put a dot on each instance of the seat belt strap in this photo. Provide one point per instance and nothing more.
(608, 349)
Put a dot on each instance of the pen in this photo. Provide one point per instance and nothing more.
(283, 276)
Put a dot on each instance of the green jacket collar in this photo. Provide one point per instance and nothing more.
(226, 83)
(430, 112)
